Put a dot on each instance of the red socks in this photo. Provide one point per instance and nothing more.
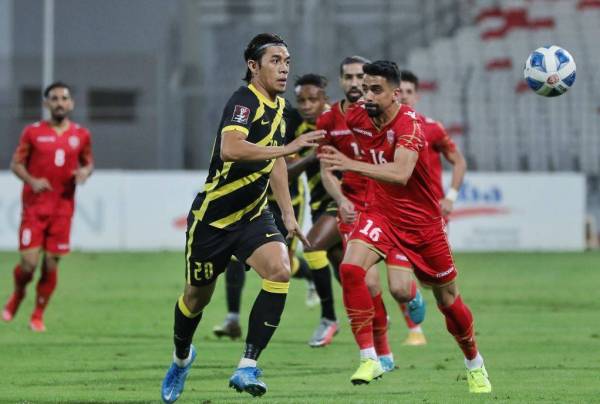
(380, 326)
(459, 322)
(45, 287)
(358, 303)
(21, 278)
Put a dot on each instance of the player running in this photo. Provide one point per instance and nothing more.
(230, 217)
(439, 144)
(403, 216)
(52, 157)
(349, 194)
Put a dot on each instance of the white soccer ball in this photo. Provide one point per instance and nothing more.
(550, 71)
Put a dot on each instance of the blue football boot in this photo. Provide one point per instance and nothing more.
(387, 363)
(246, 379)
(416, 308)
(172, 385)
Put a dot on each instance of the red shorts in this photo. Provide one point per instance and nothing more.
(427, 249)
(51, 233)
(345, 230)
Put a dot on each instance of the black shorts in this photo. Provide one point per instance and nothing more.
(330, 208)
(208, 249)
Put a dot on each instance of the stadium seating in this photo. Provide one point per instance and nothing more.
(473, 83)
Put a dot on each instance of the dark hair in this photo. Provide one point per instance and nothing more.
(384, 68)
(407, 75)
(256, 49)
(348, 60)
(311, 79)
(56, 84)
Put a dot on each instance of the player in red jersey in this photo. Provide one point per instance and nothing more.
(51, 158)
(349, 194)
(439, 144)
(402, 214)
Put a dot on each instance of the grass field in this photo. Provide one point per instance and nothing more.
(109, 337)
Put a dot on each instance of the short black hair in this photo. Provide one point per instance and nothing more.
(56, 84)
(311, 79)
(348, 60)
(384, 68)
(407, 75)
(256, 49)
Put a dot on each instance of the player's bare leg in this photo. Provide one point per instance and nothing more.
(459, 322)
(22, 275)
(323, 236)
(271, 262)
(359, 306)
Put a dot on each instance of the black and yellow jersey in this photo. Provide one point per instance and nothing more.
(319, 198)
(292, 121)
(236, 192)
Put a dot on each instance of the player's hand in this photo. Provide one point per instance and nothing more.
(447, 206)
(294, 230)
(40, 185)
(81, 175)
(310, 139)
(334, 160)
(347, 211)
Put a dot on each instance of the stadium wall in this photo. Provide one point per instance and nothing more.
(146, 210)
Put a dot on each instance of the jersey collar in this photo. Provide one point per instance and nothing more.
(262, 98)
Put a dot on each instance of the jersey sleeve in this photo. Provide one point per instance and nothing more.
(239, 112)
(325, 122)
(24, 147)
(85, 156)
(442, 142)
(409, 133)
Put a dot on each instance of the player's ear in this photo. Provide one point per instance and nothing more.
(253, 66)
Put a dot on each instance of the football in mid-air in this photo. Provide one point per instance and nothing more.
(550, 71)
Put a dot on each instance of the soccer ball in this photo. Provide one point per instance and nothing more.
(550, 71)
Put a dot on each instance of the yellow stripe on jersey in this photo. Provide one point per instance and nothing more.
(260, 210)
(262, 98)
(238, 128)
(314, 180)
(229, 188)
(189, 251)
(260, 111)
(274, 126)
(236, 216)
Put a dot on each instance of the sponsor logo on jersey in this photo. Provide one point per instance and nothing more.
(241, 114)
(341, 132)
(412, 114)
(362, 132)
(390, 136)
(446, 272)
(73, 142)
(46, 139)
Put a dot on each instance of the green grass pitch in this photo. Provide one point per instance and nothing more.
(109, 337)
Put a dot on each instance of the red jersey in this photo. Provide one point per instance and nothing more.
(333, 121)
(438, 142)
(414, 204)
(55, 157)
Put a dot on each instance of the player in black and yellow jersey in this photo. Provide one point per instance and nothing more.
(231, 217)
(235, 275)
(325, 242)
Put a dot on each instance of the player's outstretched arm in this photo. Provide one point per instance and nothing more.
(398, 171)
(333, 186)
(235, 147)
(281, 192)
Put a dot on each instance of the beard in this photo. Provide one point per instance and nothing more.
(353, 95)
(373, 110)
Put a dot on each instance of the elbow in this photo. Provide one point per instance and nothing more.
(402, 180)
(13, 166)
(227, 156)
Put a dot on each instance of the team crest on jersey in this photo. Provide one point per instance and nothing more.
(73, 142)
(241, 114)
(390, 136)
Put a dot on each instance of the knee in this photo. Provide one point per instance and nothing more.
(401, 293)
(445, 295)
(28, 264)
(194, 300)
(51, 262)
(279, 271)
